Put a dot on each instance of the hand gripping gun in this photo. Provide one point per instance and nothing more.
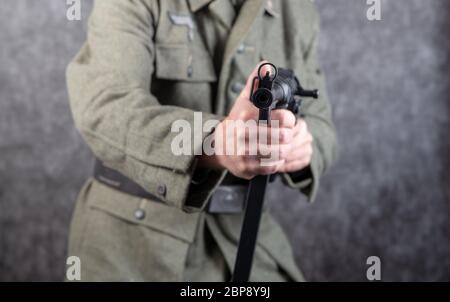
(277, 88)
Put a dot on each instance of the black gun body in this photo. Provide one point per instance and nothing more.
(250, 226)
(281, 91)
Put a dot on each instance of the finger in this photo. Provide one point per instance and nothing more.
(252, 167)
(302, 139)
(285, 118)
(269, 135)
(304, 151)
(273, 152)
(245, 167)
(294, 166)
(300, 126)
(267, 167)
(276, 152)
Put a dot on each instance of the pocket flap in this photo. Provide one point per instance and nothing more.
(180, 62)
(157, 216)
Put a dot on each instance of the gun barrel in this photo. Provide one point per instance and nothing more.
(310, 93)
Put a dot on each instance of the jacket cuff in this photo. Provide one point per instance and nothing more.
(308, 180)
(177, 189)
(180, 191)
(199, 193)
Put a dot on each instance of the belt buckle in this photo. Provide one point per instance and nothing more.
(228, 200)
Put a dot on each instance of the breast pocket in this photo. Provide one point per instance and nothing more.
(183, 62)
(184, 76)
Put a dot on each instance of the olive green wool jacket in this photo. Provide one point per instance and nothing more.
(141, 70)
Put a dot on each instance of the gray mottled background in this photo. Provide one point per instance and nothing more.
(388, 195)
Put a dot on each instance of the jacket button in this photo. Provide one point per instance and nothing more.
(162, 190)
(229, 197)
(190, 72)
(139, 214)
(237, 87)
(241, 49)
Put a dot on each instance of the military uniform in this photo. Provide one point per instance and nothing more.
(146, 64)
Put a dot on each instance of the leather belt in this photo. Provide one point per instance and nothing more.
(227, 199)
(120, 182)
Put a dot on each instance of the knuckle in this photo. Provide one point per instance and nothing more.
(284, 152)
(284, 136)
(243, 171)
(287, 118)
(306, 161)
(251, 170)
(241, 166)
(281, 136)
(273, 169)
(243, 175)
(267, 170)
(245, 115)
(246, 176)
(251, 167)
(309, 150)
(303, 125)
(287, 167)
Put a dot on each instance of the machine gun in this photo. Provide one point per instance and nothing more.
(277, 88)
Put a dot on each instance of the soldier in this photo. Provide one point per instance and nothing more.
(150, 215)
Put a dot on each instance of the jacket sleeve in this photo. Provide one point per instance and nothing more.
(109, 84)
(318, 116)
